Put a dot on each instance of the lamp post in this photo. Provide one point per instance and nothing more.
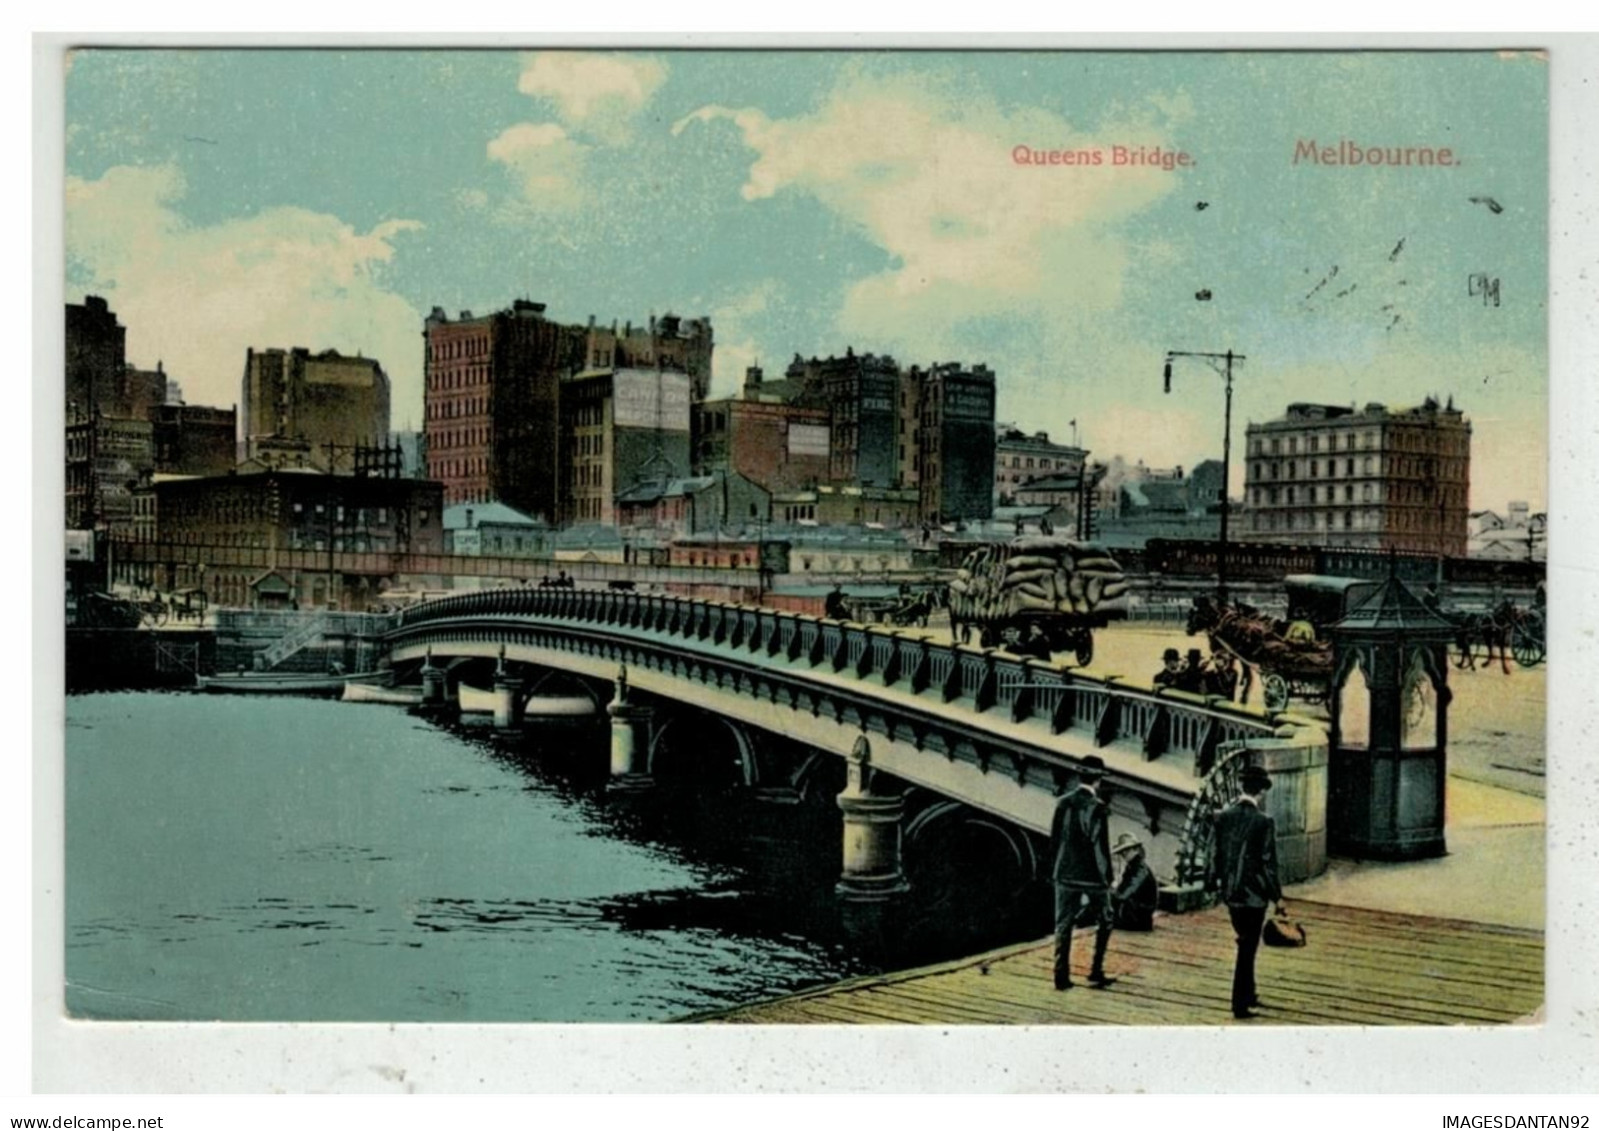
(1222, 363)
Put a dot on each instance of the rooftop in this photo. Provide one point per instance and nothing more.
(461, 516)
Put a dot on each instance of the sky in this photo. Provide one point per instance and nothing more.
(811, 201)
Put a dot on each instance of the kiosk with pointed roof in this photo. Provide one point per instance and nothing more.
(1389, 732)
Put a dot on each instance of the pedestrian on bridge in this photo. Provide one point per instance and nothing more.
(1246, 870)
(1080, 837)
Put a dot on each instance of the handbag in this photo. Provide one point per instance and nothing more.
(1280, 930)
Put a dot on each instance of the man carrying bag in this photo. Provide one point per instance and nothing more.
(1246, 872)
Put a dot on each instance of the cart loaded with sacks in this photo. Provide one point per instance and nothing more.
(1063, 589)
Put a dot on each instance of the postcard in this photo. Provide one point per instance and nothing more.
(933, 538)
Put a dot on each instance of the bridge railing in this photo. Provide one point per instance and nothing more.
(1157, 721)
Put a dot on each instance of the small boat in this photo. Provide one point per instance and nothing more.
(373, 693)
(314, 684)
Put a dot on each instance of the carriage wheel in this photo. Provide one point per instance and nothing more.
(156, 612)
(1085, 649)
(1526, 647)
(1274, 691)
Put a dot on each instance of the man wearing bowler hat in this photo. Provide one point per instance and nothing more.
(1080, 836)
(1246, 873)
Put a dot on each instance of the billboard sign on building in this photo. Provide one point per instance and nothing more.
(651, 399)
(808, 440)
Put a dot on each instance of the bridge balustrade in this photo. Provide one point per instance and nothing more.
(987, 680)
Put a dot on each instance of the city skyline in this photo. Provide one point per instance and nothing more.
(808, 202)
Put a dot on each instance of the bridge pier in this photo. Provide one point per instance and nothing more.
(872, 871)
(507, 705)
(630, 741)
(435, 690)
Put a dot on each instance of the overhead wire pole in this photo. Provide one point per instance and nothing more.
(1222, 363)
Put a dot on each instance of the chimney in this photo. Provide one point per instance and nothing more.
(752, 381)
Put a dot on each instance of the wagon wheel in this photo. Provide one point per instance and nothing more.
(155, 612)
(1274, 691)
(1526, 646)
(1084, 648)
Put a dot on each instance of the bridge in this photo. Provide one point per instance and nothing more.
(923, 735)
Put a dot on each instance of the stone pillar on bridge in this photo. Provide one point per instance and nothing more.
(435, 688)
(507, 708)
(872, 871)
(630, 739)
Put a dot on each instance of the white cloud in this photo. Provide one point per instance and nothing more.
(736, 320)
(548, 164)
(597, 93)
(929, 176)
(196, 297)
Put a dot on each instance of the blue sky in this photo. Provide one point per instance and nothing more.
(807, 201)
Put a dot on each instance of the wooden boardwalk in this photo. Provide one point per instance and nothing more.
(1361, 967)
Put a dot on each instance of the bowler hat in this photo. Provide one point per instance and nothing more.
(1254, 779)
(1171, 654)
(1126, 842)
(1091, 768)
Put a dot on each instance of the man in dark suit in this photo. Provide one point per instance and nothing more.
(1246, 872)
(1080, 837)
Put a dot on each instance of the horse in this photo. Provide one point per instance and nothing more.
(1491, 629)
(1232, 631)
(915, 609)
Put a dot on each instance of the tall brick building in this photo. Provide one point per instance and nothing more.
(493, 391)
(312, 409)
(620, 428)
(861, 393)
(680, 344)
(1377, 478)
(492, 404)
(121, 428)
(956, 442)
(96, 358)
(782, 447)
(194, 440)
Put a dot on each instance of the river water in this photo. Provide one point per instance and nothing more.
(273, 860)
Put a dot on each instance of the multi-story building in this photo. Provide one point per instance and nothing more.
(96, 347)
(494, 387)
(861, 394)
(362, 519)
(492, 404)
(1020, 458)
(956, 444)
(681, 344)
(194, 440)
(783, 447)
(319, 406)
(1375, 478)
(107, 460)
(619, 429)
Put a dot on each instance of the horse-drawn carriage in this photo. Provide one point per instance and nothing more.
(1292, 656)
(1505, 629)
(1062, 589)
